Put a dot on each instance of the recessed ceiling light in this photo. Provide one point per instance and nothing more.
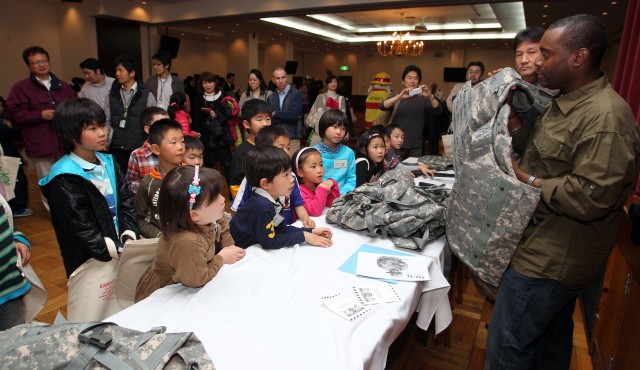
(614, 2)
(544, 23)
(544, 16)
(182, 34)
(605, 13)
(209, 27)
(233, 31)
(237, 24)
(207, 37)
(545, 6)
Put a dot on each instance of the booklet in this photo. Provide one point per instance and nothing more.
(344, 307)
(376, 293)
(414, 268)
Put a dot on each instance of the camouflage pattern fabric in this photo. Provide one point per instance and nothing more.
(439, 163)
(489, 208)
(98, 345)
(393, 207)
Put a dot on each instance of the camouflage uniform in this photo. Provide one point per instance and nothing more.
(489, 208)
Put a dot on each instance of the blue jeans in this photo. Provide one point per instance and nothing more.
(532, 325)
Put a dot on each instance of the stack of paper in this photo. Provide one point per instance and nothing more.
(376, 293)
(344, 307)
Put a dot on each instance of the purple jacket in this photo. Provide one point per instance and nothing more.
(26, 101)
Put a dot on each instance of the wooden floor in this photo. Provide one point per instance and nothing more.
(468, 330)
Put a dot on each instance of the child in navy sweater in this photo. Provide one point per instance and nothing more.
(259, 220)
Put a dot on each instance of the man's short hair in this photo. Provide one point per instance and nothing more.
(92, 64)
(31, 51)
(279, 69)
(128, 63)
(329, 118)
(163, 57)
(191, 143)
(147, 115)
(267, 135)
(72, 116)
(231, 74)
(160, 128)
(530, 34)
(264, 162)
(253, 107)
(477, 64)
(583, 31)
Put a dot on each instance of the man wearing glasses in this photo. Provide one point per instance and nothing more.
(31, 104)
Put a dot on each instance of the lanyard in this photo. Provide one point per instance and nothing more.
(126, 104)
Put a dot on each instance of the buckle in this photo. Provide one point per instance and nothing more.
(100, 340)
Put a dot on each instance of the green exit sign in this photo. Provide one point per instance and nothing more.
(344, 68)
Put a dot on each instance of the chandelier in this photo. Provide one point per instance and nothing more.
(400, 45)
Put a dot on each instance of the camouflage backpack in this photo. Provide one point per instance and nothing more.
(393, 207)
(99, 345)
(489, 208)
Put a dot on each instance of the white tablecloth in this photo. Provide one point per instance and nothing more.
(264, 311)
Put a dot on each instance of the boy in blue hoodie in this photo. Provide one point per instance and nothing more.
(91, 206)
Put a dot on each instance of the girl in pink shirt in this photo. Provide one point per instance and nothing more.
(178, 103)
(316, 194)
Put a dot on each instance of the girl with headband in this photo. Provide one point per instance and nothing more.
(316, 193)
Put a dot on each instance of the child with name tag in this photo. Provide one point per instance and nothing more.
(195, 241)
(338, 159)
(316, 193)
(90, 203)
(370, 162)
(259, 221)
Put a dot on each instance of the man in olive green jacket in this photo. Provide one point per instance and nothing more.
(582, 154)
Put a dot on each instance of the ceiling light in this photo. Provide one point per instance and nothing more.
(545, 6)
(400, 45)
(614, 2)
(544, 16)
(604, 13)
(332, 20)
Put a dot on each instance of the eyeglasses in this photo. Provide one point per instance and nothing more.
(35, 62)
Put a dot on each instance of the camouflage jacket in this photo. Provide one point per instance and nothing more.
(489, 208)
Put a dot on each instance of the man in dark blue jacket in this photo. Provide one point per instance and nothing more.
(287, 104)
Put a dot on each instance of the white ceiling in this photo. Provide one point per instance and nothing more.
(507, 14)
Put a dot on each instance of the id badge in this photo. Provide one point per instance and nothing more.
(340, 163)
(123, 123)
(277, 220)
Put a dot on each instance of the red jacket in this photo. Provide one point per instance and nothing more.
(26, 101)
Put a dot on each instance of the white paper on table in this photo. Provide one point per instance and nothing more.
(411, 161)
(376, 293)
(406, 268)
(344, 307)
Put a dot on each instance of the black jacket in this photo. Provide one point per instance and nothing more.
(81, 216)
(132, 136)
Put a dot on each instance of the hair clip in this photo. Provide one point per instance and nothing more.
(194, 188)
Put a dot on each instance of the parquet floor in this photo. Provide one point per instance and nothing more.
(468, 330)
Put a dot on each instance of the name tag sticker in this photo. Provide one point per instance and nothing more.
(340, 163)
